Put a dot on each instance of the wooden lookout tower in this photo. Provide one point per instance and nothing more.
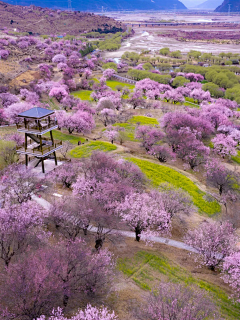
(35, 123)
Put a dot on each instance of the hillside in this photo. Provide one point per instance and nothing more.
(109, 5)
(235, 6)
(47, 21)
(209, 4)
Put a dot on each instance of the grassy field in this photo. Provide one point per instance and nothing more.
(82, 94)
(142, 120)
(158, 173)
(65, 137)
(130, 126)
(87, 149)
(147, 269)
(112, 84)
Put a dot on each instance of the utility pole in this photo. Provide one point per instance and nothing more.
(70, 5)
(229, 9)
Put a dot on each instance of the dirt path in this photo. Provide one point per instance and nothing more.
(169, 242)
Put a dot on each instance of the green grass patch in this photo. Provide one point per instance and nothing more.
(87, 149)
(190, 103)
(236, 158)
(147, 269)
(158, 174)
(142, 120)
(129, 130)
(65, 137)
(82, 94)
(112, 84)
(130, 126)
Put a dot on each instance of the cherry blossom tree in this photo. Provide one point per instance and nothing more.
(162, 153)
(18, 229)
(136, 99)
(190, 149)
(111, 134)
(18, 184)
(89, 313)
(175, 200)
(218, 176)
(224, 145)
(178, 302)
(71, 215)
(33, 285)
(16, 137)
(46, 71)
(214, 241)
(59, 58)
(7, 99)
(14, 109)
(149, 136)
(66, 174)
(107, 116)
(231, 273)
(108, 180)
(59, 92)
(29, 96)
(143, 212)
(80, 121)
(108, 73)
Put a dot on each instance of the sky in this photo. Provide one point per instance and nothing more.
(191, 3)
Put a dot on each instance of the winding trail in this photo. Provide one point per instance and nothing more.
(173, 243)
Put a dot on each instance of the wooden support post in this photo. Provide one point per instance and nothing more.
(26, 159)
(40, 137)
(43, 166)
(55, 158)
(51, 136)
(25, 142)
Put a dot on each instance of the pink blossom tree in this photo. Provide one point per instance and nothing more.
(80, 121)
(18, 184)
(59, 92)
(65, 174)
(107, 116)
(33, 284)
(111, 134)
(59, 58)
(218, 176)
(231, 273)
(108, 73)
(149, 136)
(190, 149)
(13, 110)
(19, 229)
(224, 145)
(7, 99)
(89, 313)
(214, 241)
(178, 302)
(161, 152)
(143, 212)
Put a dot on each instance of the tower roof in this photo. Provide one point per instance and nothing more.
(36, 113)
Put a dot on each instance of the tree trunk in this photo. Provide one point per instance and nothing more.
(65, 300)
(137, 232)
(98, 244)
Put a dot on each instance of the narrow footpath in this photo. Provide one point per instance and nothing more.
(173, 243)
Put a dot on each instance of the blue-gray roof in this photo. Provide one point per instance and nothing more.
(36, 113)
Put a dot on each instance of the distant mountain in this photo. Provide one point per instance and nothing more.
(235, 6)
(105, 5)
(37, 20)
(209, 4)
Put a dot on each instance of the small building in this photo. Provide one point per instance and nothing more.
(35, 123)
